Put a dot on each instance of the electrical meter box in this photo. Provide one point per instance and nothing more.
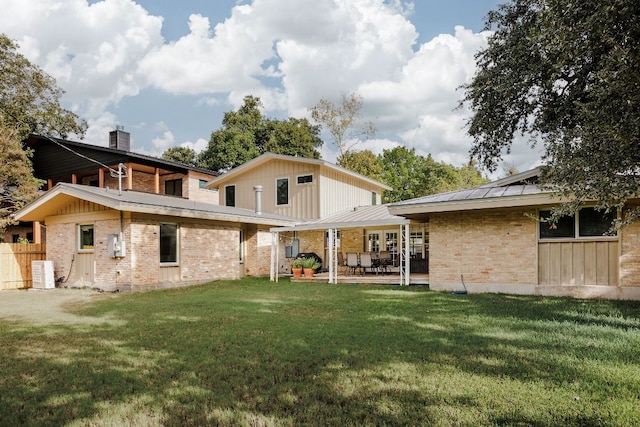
(116, 246)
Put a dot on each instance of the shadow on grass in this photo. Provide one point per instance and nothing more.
(256, 353)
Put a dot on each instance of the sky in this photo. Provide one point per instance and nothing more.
(168, 70)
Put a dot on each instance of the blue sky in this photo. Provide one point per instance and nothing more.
(167, 70)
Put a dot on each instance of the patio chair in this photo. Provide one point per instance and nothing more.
(366, 262)
(385, 261)
(352, 262)
(342, 264)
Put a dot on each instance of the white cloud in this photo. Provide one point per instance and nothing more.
(104, 52)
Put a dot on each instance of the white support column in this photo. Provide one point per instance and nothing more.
(401, 256)
(331, 256)
(273, 273)
(407, 255)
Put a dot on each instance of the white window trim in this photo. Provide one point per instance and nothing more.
(305, 183)
(79, 239)
(288, 191)
(234, 195)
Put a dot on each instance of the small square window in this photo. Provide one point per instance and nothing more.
(173, 187)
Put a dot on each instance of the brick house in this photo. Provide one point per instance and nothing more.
(489, 239)
(130, 240)
(58, 160)
(152, 228)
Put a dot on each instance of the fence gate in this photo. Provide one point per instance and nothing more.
(15, 263)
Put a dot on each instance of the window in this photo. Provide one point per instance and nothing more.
(282, 191)
(590, 223)
(230, 195)
(305, 179)
(173, 187)
(202, 183)
(374, 198)
(416, 244)
(85, 237)
(168, 243)
(373, 242)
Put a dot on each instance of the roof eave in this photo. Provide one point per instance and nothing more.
(475, 204)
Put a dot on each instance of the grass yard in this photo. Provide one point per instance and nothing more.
(257, 353)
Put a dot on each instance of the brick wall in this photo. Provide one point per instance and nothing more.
(257, 257)
(489, 247)
(630, 255)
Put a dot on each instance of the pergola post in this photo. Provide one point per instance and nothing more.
(273, 274)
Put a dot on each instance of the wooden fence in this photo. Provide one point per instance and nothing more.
(15, 263)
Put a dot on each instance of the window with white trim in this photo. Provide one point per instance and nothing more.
(230, 195)
(304, 179)
(282, 191)
(85, 237)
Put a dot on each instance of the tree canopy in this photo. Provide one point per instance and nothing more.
(411, 175)
(567, 75)
(341, 121)
(246, 134)
(30, 98)
(29, 103)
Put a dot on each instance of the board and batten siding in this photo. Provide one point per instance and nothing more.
(303, 198)
(578, 263)
(343, 192)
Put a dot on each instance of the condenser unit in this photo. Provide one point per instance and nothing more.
(42, 275)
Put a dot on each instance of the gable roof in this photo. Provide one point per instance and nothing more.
(134, 201)
(268, 157)
(54, 157)
(517, 190)
(361, 216)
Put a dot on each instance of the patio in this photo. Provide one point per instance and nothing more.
(392, 278)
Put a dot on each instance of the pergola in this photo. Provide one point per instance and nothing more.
(359, 217)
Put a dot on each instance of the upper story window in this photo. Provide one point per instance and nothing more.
(588, 223)
(230, 195)
(304, 179)
(374, 198)
(168, 243)
(282, 191)
(173, 187)
(202, 183)
(85, 237)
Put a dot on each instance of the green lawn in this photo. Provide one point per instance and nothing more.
(258, 353)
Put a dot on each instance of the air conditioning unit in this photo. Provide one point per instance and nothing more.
(42, 275)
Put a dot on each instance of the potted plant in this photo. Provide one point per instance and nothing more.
(296, 267)
(309, 265)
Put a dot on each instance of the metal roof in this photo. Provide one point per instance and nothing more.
(134, 201)
(517, 190)
(361, 216)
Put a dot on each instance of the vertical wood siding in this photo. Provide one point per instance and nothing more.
(578, 263)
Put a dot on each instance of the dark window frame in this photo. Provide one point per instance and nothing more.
(282, 185)
(230, 195)
(173, 187)
(169, 252)
(575, 227)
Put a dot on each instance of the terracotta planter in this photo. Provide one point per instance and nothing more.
(308, 272)
(297, 272)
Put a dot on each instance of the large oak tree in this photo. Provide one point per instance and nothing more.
(566, 75)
